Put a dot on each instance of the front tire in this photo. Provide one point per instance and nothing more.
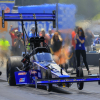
(49, 76)
(80, 85)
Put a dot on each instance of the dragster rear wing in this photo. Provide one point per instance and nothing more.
(29, 17)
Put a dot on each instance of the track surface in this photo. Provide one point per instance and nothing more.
(91, 91)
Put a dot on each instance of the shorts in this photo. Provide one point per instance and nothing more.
(4, 53)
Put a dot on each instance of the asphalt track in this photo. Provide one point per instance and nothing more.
(91, 90)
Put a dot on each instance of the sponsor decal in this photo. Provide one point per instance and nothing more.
(33, 72)
(22, 80)
(23, 73)
(46, 25)
(7, 10)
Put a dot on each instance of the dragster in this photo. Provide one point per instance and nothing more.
(38, 66)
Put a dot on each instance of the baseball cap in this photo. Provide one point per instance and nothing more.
(49, 29)
(33, 27)
(16, 31)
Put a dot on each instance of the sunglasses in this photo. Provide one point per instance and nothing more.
(80, 30)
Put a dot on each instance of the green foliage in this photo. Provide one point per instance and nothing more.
(97, 17)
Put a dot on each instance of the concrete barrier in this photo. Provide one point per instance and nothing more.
(93, 58)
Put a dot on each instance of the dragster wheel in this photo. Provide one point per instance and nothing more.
(98, 82)
(49, 76)
(80, 85)
(12, 63)
(0, 73)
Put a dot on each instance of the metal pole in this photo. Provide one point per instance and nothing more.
(3, 23)
(99, 72)
(57, 14)
(36, 27)
(35, 83)
(99, 66)
(23, 35)
(22, 2)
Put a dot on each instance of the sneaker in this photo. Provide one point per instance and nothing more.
(89, 73)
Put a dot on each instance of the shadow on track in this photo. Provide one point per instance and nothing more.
(54, 89)
(1, 80)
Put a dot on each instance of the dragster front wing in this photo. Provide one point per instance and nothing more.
(67, 80)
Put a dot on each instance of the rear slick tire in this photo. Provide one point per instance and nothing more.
(12, 63)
